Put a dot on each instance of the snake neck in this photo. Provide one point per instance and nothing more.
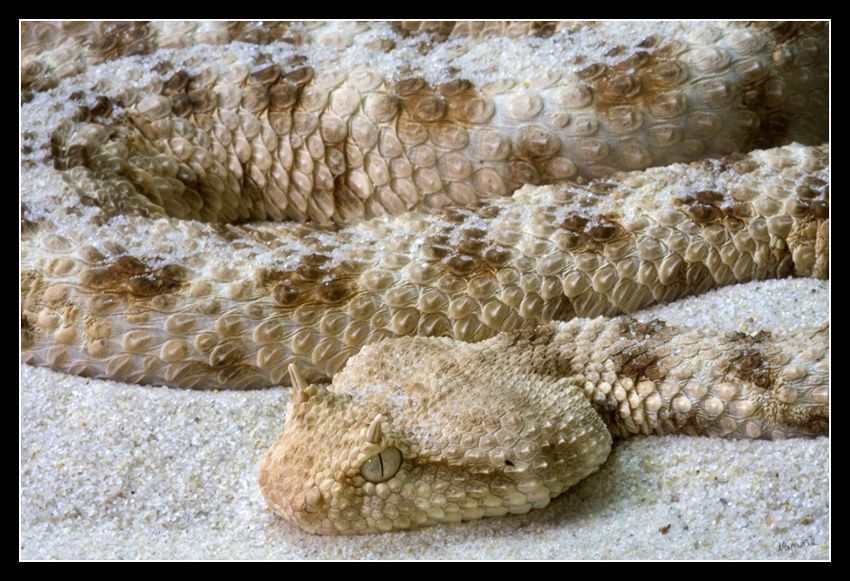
(652, 378)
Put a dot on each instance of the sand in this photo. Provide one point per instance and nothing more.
(113, 471)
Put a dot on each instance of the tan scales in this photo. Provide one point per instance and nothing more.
(159, 157)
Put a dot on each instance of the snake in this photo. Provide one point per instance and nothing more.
(453, 222)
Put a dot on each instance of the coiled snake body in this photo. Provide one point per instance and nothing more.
(191, 172)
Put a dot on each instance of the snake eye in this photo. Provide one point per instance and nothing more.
(382, 466)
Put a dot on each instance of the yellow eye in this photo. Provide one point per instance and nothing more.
(382, 466)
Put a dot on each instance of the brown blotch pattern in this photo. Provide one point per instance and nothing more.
(747, 361)
(129, 276)
(276, 143)
(311, 283)
(639, 360)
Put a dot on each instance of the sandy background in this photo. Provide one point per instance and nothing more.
(110, 471)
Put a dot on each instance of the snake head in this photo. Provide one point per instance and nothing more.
(417, 431)
(328, 451)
